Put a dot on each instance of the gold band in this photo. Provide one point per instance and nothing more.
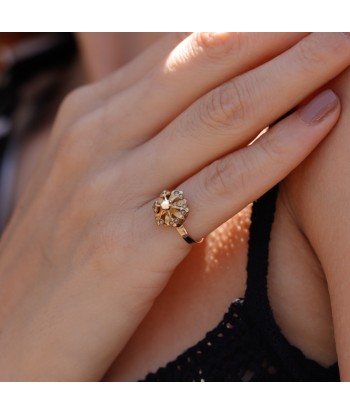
(182, 231)
(173, 210)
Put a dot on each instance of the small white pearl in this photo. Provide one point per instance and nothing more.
(165, 204)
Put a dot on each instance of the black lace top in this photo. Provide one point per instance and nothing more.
(247, 345)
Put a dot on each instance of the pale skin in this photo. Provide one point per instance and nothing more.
(71, 316)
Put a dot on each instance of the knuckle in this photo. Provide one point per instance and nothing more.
(244, 168)
(319, 48)
(311, 53)
(226, 107)
(272, 147)
(72, 107)
(233, 173)
(215, 45)
(72, 102)
(217, 178)
(72, 99)
(205, 48)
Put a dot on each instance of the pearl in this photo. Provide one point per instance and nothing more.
(165, 204)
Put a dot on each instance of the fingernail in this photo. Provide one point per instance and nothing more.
(316, 110)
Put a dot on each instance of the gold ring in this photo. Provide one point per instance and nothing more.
(173, 211)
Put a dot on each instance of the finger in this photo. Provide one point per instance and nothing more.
(229, 117)
(140, 66)
(89, 97)
(227, 185)
(199, 63)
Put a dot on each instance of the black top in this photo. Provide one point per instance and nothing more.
(248, 345)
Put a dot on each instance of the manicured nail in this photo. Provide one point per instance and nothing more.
(316, 110)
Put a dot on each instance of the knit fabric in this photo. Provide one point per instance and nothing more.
(247, 345)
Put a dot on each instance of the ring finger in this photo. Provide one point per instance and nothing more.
(227, 185)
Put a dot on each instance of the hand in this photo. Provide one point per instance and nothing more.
(82, 259)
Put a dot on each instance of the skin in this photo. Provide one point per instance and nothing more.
(323, 222)
(197, 276)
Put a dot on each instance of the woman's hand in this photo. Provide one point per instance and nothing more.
(82, 259)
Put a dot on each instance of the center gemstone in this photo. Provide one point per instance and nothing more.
(165, 204)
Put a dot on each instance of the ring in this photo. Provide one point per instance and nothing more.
(173, 211)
